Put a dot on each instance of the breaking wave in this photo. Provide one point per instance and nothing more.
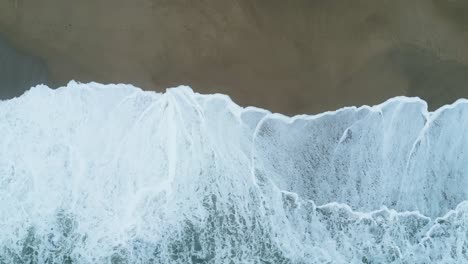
(93, 173)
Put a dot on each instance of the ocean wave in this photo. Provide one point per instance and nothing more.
(93, 173)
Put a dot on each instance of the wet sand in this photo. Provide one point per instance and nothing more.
(288, 56)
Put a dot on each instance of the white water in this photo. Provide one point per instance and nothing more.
(91, 173)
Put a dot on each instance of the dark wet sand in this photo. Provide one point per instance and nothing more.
(288, 56)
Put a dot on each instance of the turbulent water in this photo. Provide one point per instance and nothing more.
(94, 173)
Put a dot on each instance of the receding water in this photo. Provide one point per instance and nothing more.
(18, 71)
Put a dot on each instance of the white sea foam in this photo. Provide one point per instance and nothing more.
(93, 173)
